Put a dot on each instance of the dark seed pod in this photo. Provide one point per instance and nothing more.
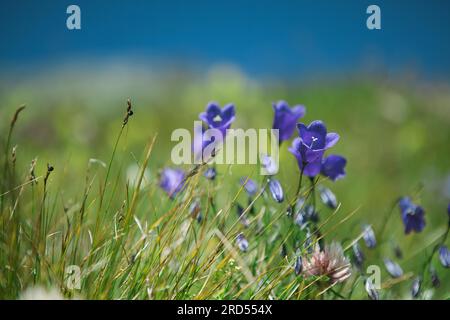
(289, 212)
(435, 281)
(252, 208)
(283, 250)
(398, 252)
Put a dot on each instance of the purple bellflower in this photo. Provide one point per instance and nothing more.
(309, 148)
(285, 119)
(218, 118)
(333, 167)
(171, 181)
(412, 215)
(249, 185)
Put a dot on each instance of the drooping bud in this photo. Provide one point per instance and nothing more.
(328, 197)
(415, 288)
(371, 291)
(276, 190)
(369, 236)
(210, 173)
(242, 242)
(444, 256)
(393, 268)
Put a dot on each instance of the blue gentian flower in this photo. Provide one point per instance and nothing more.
(333, 167)
(393, 268)
(309, 148)
(285, 119)
(328, 197)
(412, 215)
(242, 242)
(276, 190)
(369, 236)
(218, 118)
(171, 181)
(444, 256)
(448, 210)
(249, 185)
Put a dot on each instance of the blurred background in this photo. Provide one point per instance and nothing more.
(386, 92)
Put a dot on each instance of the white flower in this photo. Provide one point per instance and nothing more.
(330, 262)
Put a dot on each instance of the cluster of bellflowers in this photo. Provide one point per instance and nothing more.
(310, 148)
(413, 220)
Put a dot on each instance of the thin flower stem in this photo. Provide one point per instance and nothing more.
(435, 249)
(297, 193)
(299, 183)
(313, 192)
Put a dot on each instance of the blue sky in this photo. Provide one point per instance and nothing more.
(262, 37)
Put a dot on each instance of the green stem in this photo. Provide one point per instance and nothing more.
(435, 249)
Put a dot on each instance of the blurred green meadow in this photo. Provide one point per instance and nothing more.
(395, 135)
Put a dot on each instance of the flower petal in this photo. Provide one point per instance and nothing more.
(331, 139)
